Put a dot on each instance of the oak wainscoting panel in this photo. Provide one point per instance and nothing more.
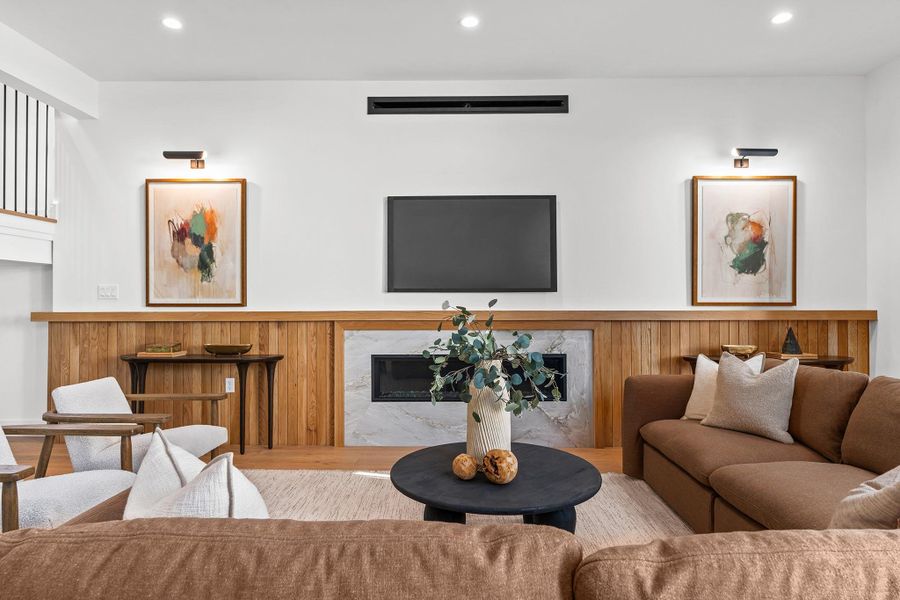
(309, 390)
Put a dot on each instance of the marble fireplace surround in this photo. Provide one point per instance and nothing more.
(566, 424)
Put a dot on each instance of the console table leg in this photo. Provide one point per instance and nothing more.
(141, 383)
(445, 516)
(270, 376)
(242, 385)
(563, 519)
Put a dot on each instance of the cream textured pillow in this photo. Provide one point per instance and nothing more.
(704, 392)
(757, 403)
(172, 482)
(874, 504)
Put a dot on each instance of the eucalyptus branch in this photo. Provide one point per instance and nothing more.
(476, 348)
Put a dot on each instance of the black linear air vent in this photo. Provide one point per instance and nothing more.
(467, 104)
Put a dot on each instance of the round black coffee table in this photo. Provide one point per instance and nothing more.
(549, 485)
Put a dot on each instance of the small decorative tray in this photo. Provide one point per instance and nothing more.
(227, 349)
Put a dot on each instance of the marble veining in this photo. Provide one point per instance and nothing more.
(558, 424)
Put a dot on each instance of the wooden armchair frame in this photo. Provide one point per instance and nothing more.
(10, 475)
(139, 419)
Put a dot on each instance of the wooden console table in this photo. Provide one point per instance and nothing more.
(137, 365)
(828, 362)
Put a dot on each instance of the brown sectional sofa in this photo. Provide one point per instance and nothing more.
(846, 430)
(97, 556)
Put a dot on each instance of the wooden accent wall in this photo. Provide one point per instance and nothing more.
(309, 382)
(82, 351)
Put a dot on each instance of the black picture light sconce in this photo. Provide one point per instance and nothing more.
(740, 155)
(197, 157)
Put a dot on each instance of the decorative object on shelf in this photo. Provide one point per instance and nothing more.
(493, 379)
(745, 241)
(804, 356)
(740, 155)
(227, 349)
(500, 466)
(739, 350)
(175, 354)
(196, 236)
(791, 345)
(465, 467)
(173, 347)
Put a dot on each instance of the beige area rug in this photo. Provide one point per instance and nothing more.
(625, 511)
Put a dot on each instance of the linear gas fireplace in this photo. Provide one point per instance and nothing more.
(407, 378)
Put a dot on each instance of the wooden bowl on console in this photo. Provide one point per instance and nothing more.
(740, 350)
(227, 349)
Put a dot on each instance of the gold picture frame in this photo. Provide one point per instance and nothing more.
(195, 242)
(744, 241)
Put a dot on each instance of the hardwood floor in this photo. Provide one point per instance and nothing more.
(369, 458)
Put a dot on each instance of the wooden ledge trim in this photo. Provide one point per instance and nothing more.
(434, 315)
(13, 213)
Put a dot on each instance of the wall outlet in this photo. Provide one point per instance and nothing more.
(108, 291)
(229, 385)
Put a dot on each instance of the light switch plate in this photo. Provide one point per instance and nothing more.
(108, 291)
(229, 385)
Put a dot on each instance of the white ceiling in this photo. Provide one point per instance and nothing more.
(422, 39)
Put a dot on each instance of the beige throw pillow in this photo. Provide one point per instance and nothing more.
(172, 482)
(757, 403)
(874, 504)
(704, 393)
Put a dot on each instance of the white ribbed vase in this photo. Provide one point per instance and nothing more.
(493, 432)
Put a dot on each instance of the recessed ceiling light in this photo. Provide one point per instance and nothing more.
(782, 18)
(469, 21)
(172, 23)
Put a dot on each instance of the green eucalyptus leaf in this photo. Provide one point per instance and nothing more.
(465, 397)
(492, 303)
(439, 360)
(440, 326)
(445, 305)
(426, 354)
(489, 322)
(516, 379)
(523, 342)
(476, 416)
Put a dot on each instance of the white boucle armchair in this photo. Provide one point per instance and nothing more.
(51, 501)
(102, 401)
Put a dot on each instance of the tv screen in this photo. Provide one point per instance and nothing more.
(471, 244)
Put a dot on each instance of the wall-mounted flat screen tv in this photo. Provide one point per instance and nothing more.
(471, 244)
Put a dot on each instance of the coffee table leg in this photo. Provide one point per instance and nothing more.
(563, 519)
(445, 516)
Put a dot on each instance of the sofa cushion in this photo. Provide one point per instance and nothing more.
(757, 403)
(872, 440)
(823, 402)
(283, 559)
(813, 565)
(874, 504)
(787, 495)
(706, 372)
(701, 450)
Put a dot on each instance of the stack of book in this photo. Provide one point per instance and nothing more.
(162, 351)
(783, 356)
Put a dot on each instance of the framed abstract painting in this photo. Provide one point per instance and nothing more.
(745, 241)
(196, 242)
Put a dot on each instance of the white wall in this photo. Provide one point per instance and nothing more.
(24, 287)
(319, 168)
(883, 168)
(36, 71)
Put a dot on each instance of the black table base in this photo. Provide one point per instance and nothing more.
(562, 519)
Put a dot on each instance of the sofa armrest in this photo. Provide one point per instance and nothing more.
(649, 398)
